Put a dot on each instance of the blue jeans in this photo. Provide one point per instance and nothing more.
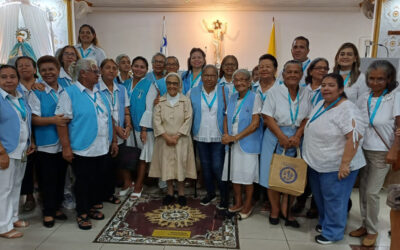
(332, 197)
(212, 164)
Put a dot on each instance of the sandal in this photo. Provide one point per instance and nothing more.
(83, 222)
(136, 195)
(114, 200)
(13, 234)
(95, 215)
(21, 224)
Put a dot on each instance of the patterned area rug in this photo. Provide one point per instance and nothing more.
(147, 221)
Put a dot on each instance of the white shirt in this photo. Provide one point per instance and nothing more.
(258, 90)
(277, 105)
(256, 110)
(313, 94)
(147, 118)
(92, 52)
(173, 99)
(384, 121)
(25, 91)
(229, 85)
(357, 89)
(208, 131)
(324, 138)
(100, 145)
(114, 99)
(64, 74)
(34, 103)
(20, 150)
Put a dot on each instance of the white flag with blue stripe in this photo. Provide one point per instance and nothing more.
(163, 46)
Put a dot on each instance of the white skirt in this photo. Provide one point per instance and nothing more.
(244, 167)
(147, 148)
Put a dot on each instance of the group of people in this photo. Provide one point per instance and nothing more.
(86, 108)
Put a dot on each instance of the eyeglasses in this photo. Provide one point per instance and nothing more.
(171, 64)
(96, 71)
(69, 54)
(377, 80)
(209, 76)
(321, 68)
(159, 62)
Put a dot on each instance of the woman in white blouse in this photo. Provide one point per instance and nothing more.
(228, 66)
(285, 113)
(377, 106)
(331, 139)
(87, 139)
(242, 128)
(88, 45)
(347, 64)
(209, 106)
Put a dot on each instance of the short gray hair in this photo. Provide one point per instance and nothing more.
(243, 71)
(296, 62)
(120, 57)
(212, 67)
(153, 59)
(82, 64)
(172, 57)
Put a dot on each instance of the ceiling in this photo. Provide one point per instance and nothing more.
(165, 5)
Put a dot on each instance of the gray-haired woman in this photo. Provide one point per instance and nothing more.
(87, 138)
(173, 156)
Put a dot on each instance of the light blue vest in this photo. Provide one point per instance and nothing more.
(9, 125)
(187, 82)
(250, 144)
(121, 102)
(46, 135)
(161, 86)
(83, 127)
(138, 100)
(118, 80)
(195, 97)
(64, 82)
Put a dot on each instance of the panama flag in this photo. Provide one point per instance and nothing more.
(163, 45)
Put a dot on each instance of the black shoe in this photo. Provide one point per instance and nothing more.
(168, 200)
(322, 240)
(223, 205)
(273, 221)
(292, 223)
(48, 224)
(182, 200)
(318, 228)
(208, 199)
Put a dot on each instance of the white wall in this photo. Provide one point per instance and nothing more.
(139, 33)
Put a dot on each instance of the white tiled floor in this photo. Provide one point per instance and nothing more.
(255, 233)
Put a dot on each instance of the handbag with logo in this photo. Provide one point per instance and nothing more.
(288, 174)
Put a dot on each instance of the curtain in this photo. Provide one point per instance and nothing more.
(37, 22)
(9, 25)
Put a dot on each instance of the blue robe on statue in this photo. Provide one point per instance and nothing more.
(25, 48)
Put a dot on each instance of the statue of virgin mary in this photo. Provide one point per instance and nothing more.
(22, 47)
